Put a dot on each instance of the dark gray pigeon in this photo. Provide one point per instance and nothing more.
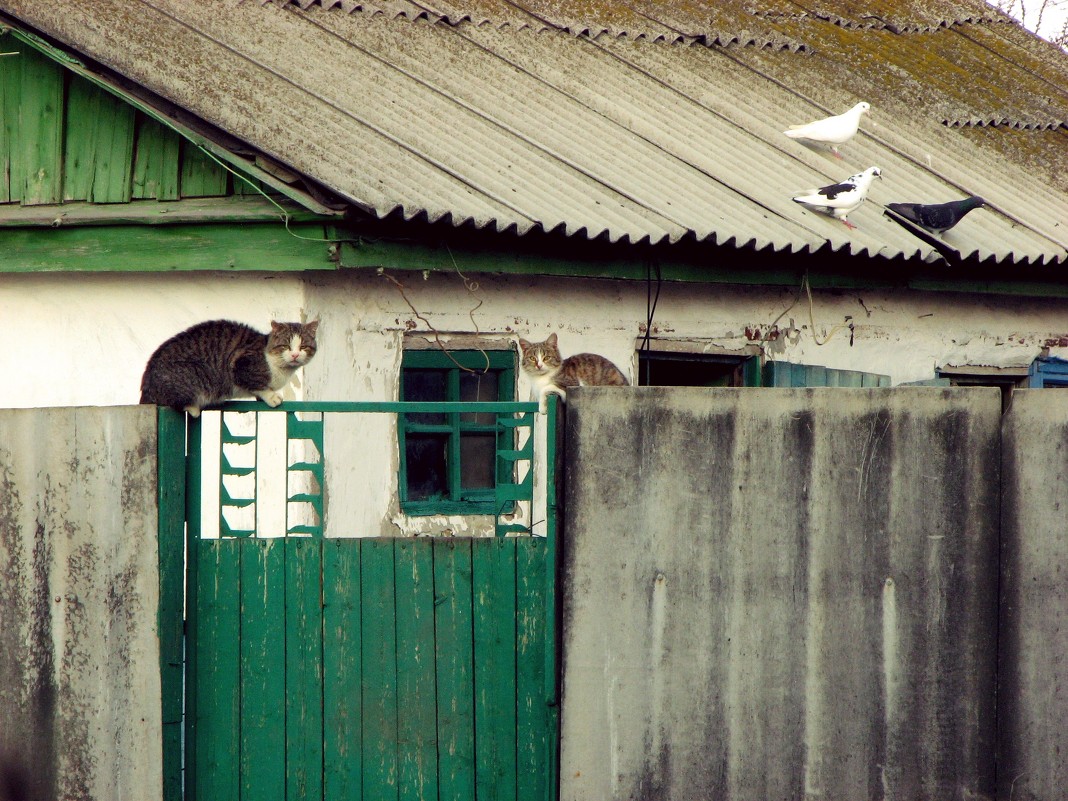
(937, 217)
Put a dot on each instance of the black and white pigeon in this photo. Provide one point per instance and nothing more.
(937, 217)
(833, 131)
(838, 200)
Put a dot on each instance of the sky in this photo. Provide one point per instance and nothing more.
(1054, 16)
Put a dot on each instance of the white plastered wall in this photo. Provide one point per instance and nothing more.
(83, 339)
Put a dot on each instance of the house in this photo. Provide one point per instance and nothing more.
(452, 177)
(434, 181)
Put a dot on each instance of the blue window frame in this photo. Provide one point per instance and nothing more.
(1048, 372)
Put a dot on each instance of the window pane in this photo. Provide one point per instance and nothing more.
(427, 466)
(426, 385)
(478, 457)
(479, 387)
(667, 369)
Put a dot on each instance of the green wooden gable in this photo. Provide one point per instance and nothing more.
(64, 139)
(95, 178)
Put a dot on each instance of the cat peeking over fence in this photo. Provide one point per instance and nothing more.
(215, 361)
(550, 373)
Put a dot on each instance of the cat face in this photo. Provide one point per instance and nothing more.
(540, 358)
(291, 345)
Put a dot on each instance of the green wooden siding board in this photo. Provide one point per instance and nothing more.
(40, 123)
(217, 690)
(262, 669)
(98, 145)
(10, 83)
(342, 670)
(163, 248)
(171, 534)
(83, 120)
(155, 162)
(815, 376)
(113, 162)
(367, 252)
(751, 372)
(200, 175)
(773, 375)
(493, 567)
(416, 685)
(455, 669)
(784, 374)
(248, 186)
(573, 258)
(303, 669)
(232, 210)
(532, 718)
(379, 671)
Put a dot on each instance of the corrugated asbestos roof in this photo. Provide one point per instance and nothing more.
(639, 121)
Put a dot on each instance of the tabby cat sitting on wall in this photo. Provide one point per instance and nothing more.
(215, 361)
(550, 373)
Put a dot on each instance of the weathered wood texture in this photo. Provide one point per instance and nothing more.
(79, 655)
(780, 594)
(1032, 704)
(64, 139)
(372, 668)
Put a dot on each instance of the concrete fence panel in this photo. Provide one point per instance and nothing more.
(1033, 673)
(79, 655)
(780, 594)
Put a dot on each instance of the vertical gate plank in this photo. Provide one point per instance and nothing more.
(533, 715)
(493, 563)
(343, 710)
(304, 669)
(262, 669)
(217, 724)
(171, 483)
(379, 671)
(416, 691)
(455, 669)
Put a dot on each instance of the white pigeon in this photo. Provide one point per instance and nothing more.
(833, 131)
(838, 200)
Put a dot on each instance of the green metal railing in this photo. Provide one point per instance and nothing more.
(514, 484)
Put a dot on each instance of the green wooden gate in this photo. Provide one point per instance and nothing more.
(355, 668)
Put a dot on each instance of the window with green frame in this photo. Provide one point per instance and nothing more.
(448, 462)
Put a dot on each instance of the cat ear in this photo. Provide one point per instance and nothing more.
(276, 326)
(312, 327)
(551, 339)
(523, 344)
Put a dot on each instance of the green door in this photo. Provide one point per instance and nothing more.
(365, 668)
